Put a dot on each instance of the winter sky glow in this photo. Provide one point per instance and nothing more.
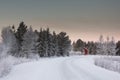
(85, 19)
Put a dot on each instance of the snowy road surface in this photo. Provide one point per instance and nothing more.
(67, 68)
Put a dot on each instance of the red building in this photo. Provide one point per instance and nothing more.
(85, 51)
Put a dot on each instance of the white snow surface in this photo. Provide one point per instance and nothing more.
(63, 68)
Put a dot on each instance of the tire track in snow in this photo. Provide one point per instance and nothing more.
(83, 72)
(68, 71)
(71, 71)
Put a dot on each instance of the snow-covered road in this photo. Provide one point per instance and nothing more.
(67, 68)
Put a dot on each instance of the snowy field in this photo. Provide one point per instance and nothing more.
(63, 68)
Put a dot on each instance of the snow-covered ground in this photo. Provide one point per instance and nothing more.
(109, 62)
(63, 68)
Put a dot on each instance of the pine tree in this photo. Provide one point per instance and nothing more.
(45, 43)
(64, 44)
(118, 48)
(55, 45)
(29, 44)
(73, 46)
(101, 49)
(41, 46)
(50, 45)
(9, 41)
(79, 45)
(110, 45)
(22, 29)
(91, 46)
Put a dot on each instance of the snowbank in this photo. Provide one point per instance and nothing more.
(109, 62)
(6, 64)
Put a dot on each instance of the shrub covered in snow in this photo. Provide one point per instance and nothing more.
(110, 63)
(6, 64)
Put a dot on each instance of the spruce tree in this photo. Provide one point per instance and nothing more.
(20, 32)
(118, 48)
(29, 44)
(55, 45)
(40, 45)
(101, 48)
(110, 45)
(79, 45)
(64, 44)
(9, 41)
(91, 46)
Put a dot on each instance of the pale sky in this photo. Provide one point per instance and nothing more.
(84, 19)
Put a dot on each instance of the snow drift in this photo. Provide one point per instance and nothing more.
(109, 62)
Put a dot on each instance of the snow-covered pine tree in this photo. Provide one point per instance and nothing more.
(22, 28)
(118, 48)
(55, 45)
(47, 41)
(79, 45)
(112, 46)
(50, 45)
(10, 44)
(73, 46)
(64, 44)
(101, 49)
(40, 45)
(29, 44)
(91, 46)
(107, 46)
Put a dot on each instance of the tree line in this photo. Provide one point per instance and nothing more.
(101, 47)
(26, 42)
